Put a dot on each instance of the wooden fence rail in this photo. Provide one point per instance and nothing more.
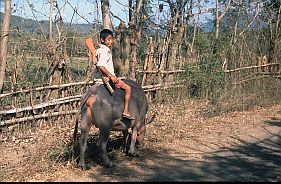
(46, 109)
(22, 105)
(61, 102)
(29, 113)
(161, 71)
(42, 105)
(35, 117)
(48, 88)
(270, 67)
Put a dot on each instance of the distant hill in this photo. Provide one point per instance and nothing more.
(31, 25)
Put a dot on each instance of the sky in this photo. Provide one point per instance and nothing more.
(85, 8)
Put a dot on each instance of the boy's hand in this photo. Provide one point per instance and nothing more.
(114, 79)
(108, 74)
(95, 60)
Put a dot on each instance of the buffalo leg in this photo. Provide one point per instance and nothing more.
(85, 126)
(133, 142)
(126, 140)
(102, 143)
(140, 137)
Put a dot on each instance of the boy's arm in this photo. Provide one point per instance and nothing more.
(108, 74)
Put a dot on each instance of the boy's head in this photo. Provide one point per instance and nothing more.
(106, 37)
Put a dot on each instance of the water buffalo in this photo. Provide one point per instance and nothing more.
(104, 110)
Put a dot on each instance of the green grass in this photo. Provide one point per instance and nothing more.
(33, 72)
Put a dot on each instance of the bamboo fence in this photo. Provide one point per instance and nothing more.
(33, 105)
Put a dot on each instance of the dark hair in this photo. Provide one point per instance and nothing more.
(105, 33)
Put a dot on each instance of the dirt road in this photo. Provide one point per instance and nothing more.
(181, 145)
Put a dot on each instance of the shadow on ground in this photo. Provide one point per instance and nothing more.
(255, 161)
(274, 121)
(92, 155)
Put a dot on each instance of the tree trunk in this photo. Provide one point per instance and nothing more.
(121, 49)
(105, 15)
(219, 17)
(176, 41)
(116, 50)
(51, 20)
(148, 64)
(125, 49)
(4, 42)
(135, 32)
(130, 10)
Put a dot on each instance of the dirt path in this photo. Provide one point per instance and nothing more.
(180, 145)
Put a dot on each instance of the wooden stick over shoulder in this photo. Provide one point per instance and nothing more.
(90, 45)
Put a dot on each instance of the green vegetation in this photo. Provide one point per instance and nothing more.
(206, 58)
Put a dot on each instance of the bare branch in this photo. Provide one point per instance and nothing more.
(32, 10)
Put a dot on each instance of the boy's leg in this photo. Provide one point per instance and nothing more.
(128, 92)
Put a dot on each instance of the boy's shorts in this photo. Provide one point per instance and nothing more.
(119, 84)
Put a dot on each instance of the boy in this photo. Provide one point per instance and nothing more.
(105, 65)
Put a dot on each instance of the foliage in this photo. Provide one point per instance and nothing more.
(34, 72)
(205, 80)
(242, 39)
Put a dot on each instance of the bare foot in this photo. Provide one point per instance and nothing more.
(128, 116)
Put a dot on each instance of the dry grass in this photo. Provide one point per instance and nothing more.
(180, 130)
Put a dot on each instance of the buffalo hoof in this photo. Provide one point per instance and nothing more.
(83, 167)
(109, 164)
(134, 154)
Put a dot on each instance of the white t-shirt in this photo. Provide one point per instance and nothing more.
(104, 56)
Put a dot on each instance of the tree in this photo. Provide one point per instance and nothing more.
(4, 42)
(126, 41)
(219, 17)
(176, 29)
(51, 20)
(107, 24)
(272, 15)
